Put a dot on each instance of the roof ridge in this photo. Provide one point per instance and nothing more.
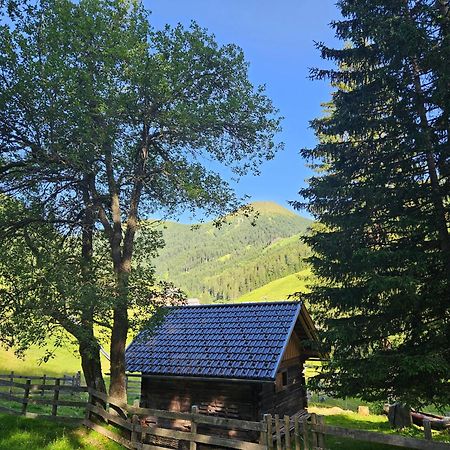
(212, 305)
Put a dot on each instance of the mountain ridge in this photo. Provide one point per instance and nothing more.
(223, 263)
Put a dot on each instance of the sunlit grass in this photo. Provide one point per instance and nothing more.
(65, 362)
(18, 433)
(280, 289)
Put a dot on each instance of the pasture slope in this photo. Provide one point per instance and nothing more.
(280, 289)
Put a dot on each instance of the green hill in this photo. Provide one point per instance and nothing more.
(281, 288)
(222, 264)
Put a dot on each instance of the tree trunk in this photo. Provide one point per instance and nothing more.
(117, 387)
(91, 364)
(122, 266)
(88, 345)
(436, 196)
(427, 142)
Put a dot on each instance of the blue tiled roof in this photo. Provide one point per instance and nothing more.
(227, 341)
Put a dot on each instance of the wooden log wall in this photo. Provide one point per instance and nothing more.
(219, 398)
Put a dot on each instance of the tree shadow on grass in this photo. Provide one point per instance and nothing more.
(338, 443)
(18, 433)
(347, 421)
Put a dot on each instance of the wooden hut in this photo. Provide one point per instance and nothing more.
(231, 360)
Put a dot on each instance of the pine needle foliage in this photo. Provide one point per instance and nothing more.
(382, 196)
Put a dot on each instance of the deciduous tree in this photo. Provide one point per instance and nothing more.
(104, 120)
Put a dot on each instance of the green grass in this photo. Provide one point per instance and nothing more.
(19, 433)
(65, 362)
(376, 423)
(280, 289)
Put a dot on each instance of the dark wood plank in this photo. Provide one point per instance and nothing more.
(55, 398)
(268, 421)
(296, 433)
(26, 394)
(287, 434)
(193, 444)
(278, 432)
(228, 442)
(110, 417)
(12, 398)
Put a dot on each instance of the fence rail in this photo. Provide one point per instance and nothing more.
(74, 380)
(42, 395)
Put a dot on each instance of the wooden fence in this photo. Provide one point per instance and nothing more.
(133, 387)
(47, 397)
(146, 429)
(150, 429)
(319, 430)
(75, 380)
(65, 380)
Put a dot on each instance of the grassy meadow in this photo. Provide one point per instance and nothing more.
(65, 362)
(280, 289)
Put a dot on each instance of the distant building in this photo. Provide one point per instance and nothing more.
(231, 360)
(193, 301)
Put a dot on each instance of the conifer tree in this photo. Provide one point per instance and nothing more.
(382, 196)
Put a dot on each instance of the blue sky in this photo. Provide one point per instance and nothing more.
(278, 41)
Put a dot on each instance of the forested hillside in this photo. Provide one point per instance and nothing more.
(223, 264)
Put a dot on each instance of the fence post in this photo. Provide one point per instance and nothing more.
(296, 433)
(73, 385)
(287, 432)
(134, 432)
(269, 433)
(263, 433)
(44, 377)
(314, 442)
(427, 429)
(320, 436)
(193, 444)
(87, 416)
(11, 379)
(277, 431)
(56, 397)
(26, 395)
(305, 434)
